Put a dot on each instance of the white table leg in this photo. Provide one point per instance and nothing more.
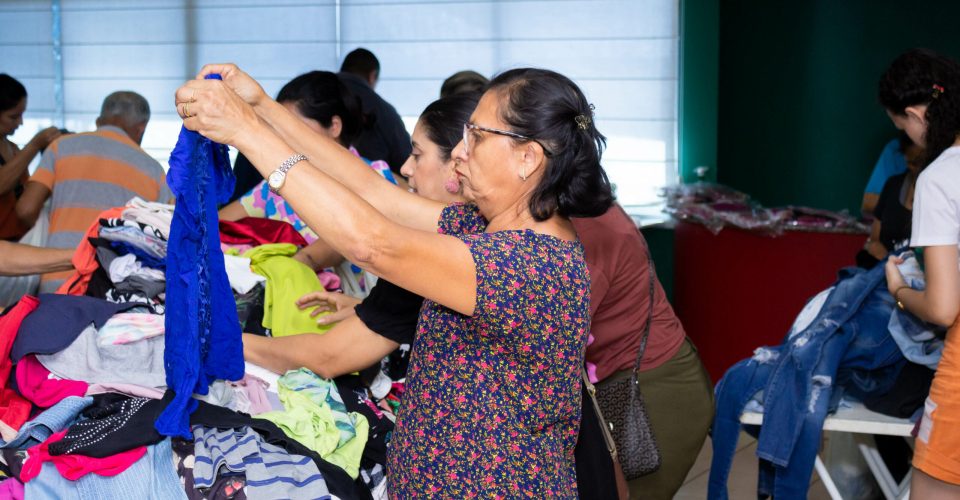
(827, 480)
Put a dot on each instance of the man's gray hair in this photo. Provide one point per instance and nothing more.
(129, 106)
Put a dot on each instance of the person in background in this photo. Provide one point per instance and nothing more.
(676, 389)
(921, 93)
(387, 139)
(87, 173)
(13, 160)
(890, 231)
(891, 162)
(462, 82)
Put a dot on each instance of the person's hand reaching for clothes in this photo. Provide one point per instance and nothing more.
(338, 306)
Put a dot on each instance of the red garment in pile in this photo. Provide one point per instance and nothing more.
(14, 410)
(85, 258)
(258, 231)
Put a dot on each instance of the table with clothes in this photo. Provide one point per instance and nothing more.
(83, 381)
(850, 342)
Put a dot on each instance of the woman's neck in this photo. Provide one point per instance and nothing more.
(556, 226)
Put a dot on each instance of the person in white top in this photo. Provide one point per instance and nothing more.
(921, 93)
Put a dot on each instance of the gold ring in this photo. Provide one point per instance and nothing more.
(186, 112)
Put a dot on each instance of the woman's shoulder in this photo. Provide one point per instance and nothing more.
(946, 164)
(943, 173)
(461, 218)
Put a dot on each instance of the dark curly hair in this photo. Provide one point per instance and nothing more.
(11, 92)
(443, 120)
(915, 78)
(545, 105)
(320, 95)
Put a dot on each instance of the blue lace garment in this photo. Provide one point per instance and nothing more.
(203, 341)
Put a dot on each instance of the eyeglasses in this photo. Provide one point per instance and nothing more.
(467, 127)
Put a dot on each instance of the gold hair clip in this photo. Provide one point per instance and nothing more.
(584, 121)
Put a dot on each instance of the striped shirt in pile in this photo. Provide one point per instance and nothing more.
(88, 173)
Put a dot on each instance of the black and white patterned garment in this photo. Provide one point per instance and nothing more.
(113, 426)
(145, 228)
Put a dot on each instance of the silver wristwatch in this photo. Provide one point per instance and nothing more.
(277, 177)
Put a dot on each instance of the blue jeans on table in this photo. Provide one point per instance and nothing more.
(798, 379)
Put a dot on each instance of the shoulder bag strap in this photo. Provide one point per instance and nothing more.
(646, 328)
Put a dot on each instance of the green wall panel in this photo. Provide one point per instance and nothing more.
(798, 118)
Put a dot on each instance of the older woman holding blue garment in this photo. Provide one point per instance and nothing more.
(500, 340)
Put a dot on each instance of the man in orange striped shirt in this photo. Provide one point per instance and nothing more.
(88, 173)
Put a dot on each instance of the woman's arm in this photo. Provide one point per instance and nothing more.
(318, 255)
(22, 260)
(233, 211)
(398, 205)
(14, 169)
(31, 202)
(873, 245)
(348, 347)
(939, 303)
(434, 266)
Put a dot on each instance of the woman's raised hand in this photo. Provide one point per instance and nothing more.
(45, 137)
(216, 111)
(246, 87)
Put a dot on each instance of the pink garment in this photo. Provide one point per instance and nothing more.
(137, 391)
(329, 280)
(254, 392)
(45, 389)
(11, 489)
(74, 467)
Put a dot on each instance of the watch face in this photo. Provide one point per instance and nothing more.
(275, 180)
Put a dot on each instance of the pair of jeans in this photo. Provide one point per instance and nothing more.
(799, 379)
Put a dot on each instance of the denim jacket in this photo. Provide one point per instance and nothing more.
(798, 377)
